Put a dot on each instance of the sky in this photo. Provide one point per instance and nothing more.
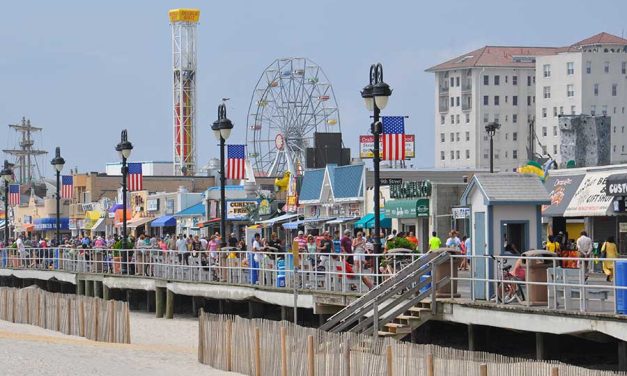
(86, 70)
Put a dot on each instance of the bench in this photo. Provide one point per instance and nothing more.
(569, 297)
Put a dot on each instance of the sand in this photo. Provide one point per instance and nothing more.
(158, 347)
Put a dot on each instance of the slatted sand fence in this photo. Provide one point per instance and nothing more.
(93, 318)
(264, 347)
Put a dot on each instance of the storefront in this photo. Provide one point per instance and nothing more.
(562, 189)
(409, 209)
(47, 227)
(616, 187)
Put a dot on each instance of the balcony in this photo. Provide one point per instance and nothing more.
(443, 89)
(443, 107)
(466, 103)
(467, 86)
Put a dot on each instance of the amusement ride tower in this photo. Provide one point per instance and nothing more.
(184, 40)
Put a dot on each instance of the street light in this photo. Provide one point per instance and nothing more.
(222, 130)
(124, 149)
(491, 129)
(376, 95)
(58, 162)
(7, 176)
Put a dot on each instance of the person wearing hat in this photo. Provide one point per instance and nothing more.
(346, 245)
(302, 242)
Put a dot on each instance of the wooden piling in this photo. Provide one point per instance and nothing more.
(311, 367)
(229, 345)
(388, 356)
(483, 370)
(283, 351)
(257, 352)
(555, 371)
(430, 370)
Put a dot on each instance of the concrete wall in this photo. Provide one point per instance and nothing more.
(585, 139)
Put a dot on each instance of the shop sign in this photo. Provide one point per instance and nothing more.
(617, 185)
(389, 181)
(461, 213)
(153, 204)
(46, 224)
(411, 189)
(264, 207)
(239, 209)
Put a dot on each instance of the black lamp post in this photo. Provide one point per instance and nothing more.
(58, 162)
(7, 176)
(491, 129)
(376, 95)
(124, 149)
(222, 130)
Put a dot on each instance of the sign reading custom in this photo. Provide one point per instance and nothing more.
(366, 144)
(616, 185)
(407, 208)
(239, 209)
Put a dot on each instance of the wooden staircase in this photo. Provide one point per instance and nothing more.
(407, 322)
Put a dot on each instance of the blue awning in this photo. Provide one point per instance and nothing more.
(364, 220)
(367, 221)
(292, 225)
(115, 207)
(197, 210)
(165, 221)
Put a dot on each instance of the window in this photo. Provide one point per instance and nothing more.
(468, 136)
(442, 119)
(528, 100)
(543, 112)
(514, 118)
(506, 96)
(561, 110)
(514, 80)
(442, 155)
(554, 149)
(457, 101)
(514, 154)
(614, 148)
(452, 137)
(457, 119)
(554, 111)
(506, 154)
(457, 154)
(554, 131)
(623, 67)
(570, 90)
(614, 109)
(457, 136)
(546, 92)
(614, 89)
(485, 100)
(515, 136)
(452, 119)
(614, 129)
(467, 154)
(467, 118)
(496, 118)
(452, 154)
(544, 131)
(546, 69)
(528, 80)
(506, 135)
(486, 118)
(588, 67)
(570, 68)
(452, 101)
(497, 80)
(593, 110)
(496, 100)
(485, 155)
(486, 80)
(604, 111)
(515, 100)
(457, 81)
(442, 138)
(452, 82)
(544, 149)
(622, 148)
(596, 90)
(572, 110)
(606, 67)
(622, 129)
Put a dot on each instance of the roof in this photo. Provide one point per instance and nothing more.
(496, 56)
(312, 185)
(602, 38)
(508, 188)
(346, 181)
(194, 211)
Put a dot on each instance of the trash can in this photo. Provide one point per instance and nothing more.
(620, 279)
(280, 277)
(536, 271)
(444, 270)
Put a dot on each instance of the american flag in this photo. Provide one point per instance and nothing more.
(135, 177)
(67, 186)
(393, 138)
(14, 194)
(236, 162)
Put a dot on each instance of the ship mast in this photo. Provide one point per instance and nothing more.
(25, 155)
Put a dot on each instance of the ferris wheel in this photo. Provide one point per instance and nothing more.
(293, 99)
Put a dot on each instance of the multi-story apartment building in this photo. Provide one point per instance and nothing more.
(504, 84)
(489, 84)
(588, 77)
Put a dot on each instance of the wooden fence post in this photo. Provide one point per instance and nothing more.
(483, 370)
(69, 316)
(94, 303)
(81, 318)
(128, 323)
(555, 371)
(111, 310)
(229, 345)
(58, 320)
(257, 353)
(283, 351)
(347, 358)
(311, 368)
(27, 309)
(430, 371)
(201, 336)
(388, 356)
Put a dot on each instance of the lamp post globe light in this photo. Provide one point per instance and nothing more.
(491, 129)
(124, 149)
(222, 130)
(58, 162)
(376, 95)
(7, 177)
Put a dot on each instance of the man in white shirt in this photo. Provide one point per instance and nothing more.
(181, 246)
(21, 249)
(584, 246)
(254, 259)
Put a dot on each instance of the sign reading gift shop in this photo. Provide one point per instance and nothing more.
(407, 208)
(239, 210)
